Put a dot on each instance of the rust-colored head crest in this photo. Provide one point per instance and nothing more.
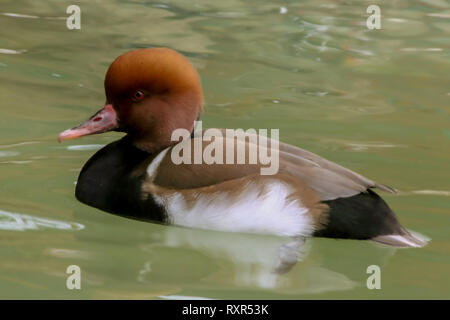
(149, 93)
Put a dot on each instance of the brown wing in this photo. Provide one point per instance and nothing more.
(328, 179)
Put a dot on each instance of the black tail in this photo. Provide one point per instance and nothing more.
(366, 216)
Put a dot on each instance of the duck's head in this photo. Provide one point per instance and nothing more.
(149, 93)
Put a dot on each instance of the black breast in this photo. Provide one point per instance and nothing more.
(106, 183)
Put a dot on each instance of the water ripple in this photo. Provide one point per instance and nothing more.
(11, 51)
(433, 192)
(21, 222)
(8, 154)
(85, 147)
(19, 15)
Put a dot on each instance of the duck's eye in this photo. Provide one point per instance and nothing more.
(138, 95)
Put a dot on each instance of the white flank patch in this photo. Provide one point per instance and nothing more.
(258, 209)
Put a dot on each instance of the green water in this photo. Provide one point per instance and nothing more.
(376, 101)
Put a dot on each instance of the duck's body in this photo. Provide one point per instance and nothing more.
(130, 182)
(137, 178)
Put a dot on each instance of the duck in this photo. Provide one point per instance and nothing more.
(151, 93)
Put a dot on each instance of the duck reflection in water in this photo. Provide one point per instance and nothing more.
(268, 262)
